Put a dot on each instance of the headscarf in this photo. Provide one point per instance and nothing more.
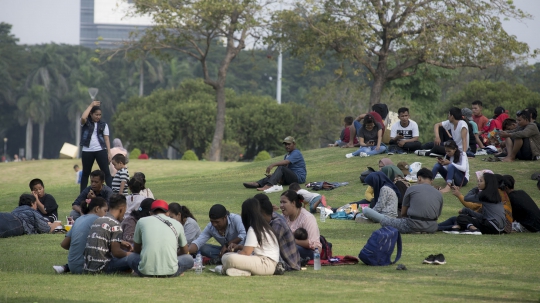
(118, 144)
(392, 171)
(377, 180)
(386, 161)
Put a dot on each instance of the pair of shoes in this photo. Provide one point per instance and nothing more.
(233, 272)
(280, 269)
(251, 185)
(348, 156)
(421, 152)
(59, 269)
(435, 259)
(362, 154)
(274, 189)
(303, 262)
(469, 231)
(214, 261)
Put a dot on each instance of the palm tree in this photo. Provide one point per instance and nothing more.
(152, 66)
(34, 107)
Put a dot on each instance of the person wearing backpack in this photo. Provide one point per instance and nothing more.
(422, 206)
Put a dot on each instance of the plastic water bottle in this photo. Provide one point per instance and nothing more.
(323, 214)
(198, 264)
(317, 259)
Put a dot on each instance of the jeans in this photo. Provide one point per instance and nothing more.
(447, 225)
(282, 175)
(370, 150)
(304, 252)
(210, 251)
(102, 159)
(357, 126)
(312, 207)
(116, 265)
(398, 223)
(185, 262)
(451, 174)
(10, 226)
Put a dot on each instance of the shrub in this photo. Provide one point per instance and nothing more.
(135, 153)
(190, 155)
(231, 151)
(262, 156)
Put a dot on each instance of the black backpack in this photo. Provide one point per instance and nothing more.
(366, 173)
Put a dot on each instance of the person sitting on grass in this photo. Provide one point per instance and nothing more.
(522, 143)
(31, 219)
(404, 133)
(454, 167)
(345, 136)
(491, 219)
(105, 251)
(134, 200)
(182, 214)
(75, 240)
(422, 206)
(130, 222)
(370, 138)
(121, 178)
(96, 189)
(289, 256)
(259, 255)
(145, 192)
(386, 196)
(524, 209)
(225, 228)
(46, 204)
(289, 170)
(160, 248)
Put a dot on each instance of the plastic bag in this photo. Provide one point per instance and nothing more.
(414, 168)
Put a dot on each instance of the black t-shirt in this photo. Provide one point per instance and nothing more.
(370, 135)
(51, 207)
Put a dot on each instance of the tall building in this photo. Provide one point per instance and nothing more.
(105, 23)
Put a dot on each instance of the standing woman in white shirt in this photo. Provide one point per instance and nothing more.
(454, 167)
(260, 253)
(94, 143)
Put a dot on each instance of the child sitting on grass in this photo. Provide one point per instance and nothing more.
(145, 192)
(301, 234)
(46, 204)
(134, 200)
(120, 180)
(345, 136)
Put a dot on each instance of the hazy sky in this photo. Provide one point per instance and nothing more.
(43, 21)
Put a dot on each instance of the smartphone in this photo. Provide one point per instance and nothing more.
(371, 142)
(439, 158)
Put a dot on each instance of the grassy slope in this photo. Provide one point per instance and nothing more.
(480, 268)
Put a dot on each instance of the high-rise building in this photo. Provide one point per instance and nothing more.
(106, 23)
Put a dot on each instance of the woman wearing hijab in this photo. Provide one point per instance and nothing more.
(386, 196)
(118, 148)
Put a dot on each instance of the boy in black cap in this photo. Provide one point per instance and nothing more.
(225, 227)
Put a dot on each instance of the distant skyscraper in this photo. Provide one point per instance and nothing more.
(105, 22)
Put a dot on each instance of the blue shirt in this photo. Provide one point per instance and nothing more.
(78, 233)
(235, 229)
(297, 165)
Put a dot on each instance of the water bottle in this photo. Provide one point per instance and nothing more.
(198, 263)
(323, 214)
(317, 259)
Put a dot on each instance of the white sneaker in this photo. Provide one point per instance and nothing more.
(438, 176)
(481, 152)
(59, 269)
(348, 156)
(362, 154)
(274, 189)
(233, 272)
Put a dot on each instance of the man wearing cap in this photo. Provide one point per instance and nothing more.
(404, 133)
(473, 130)
(224, 227)
(289, 170)
(160, 245)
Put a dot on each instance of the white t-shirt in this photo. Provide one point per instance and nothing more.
(456, 133)
(133, 202)
(269, 248)
(408, 132)
(308, 196)
(94, 142)
(462, 165)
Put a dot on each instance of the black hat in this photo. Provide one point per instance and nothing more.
(217, 211)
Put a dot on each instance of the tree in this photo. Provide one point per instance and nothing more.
(390, 39)
(34, 107)
(194, 28)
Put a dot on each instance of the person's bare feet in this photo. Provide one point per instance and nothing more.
(507, 159)
(264, 188)
(446, 189)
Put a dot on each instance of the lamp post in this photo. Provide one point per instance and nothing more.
(5, 147)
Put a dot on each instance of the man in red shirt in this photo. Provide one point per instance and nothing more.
(478, 118)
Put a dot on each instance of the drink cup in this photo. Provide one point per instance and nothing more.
(67, 227)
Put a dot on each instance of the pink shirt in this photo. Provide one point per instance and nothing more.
(307, 221)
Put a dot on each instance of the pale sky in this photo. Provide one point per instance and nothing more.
(44, 21)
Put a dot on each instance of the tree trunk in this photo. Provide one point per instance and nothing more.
(78, 131)
(141, 80)
(215, 148)
(41, 139)
(376, 90)
(29, 134)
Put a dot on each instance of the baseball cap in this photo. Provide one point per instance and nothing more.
(467, 113)
(160, 204)
(217, 211)
(289, 139)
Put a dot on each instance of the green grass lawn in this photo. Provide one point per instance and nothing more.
(479, 268)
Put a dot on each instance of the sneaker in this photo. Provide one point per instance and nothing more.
(453, 232)
(429, 260)
(274, 189)
(233, 272)
(280, 269)
(421, 152)
(439, 260)
(59, 269)
(481, 152)
(348, 156)
(390, 153)
(362, 154)
(438, 176)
